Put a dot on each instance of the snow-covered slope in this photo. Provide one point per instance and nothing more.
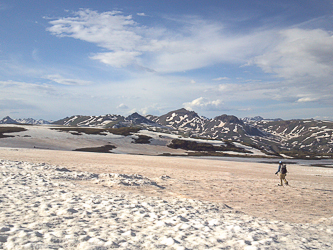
(299, 135)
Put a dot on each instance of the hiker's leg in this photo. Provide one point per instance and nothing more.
(285, 181)
(281, 178)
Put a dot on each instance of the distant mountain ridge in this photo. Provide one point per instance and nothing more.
(90, 121)
(106, 121)
(296, 138)
(8, 120)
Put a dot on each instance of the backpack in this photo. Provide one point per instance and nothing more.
(284, 169)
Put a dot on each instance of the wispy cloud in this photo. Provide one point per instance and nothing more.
(292, 66)
(110, 30)
(221, 78)
(24, 98)
(141, 14)
(289, 53)
(195, 44)
(12, 88)
(117, 59)
(66, 81)
(299, 53)
(122, 106)
(13, 104)
(303, 61)
(307, 99)
(35, 55)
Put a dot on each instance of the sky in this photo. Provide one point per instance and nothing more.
(269, 58)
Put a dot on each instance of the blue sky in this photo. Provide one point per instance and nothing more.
(245, 58)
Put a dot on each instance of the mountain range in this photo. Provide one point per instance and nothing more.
(8, 120)
(289, 138)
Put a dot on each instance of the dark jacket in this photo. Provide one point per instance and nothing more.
(280, 165)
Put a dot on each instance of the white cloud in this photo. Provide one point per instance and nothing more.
(65, 81)
(204, 104)
(110, 30)
(122, 106)
(141, 14)
(117, 59)
(221, 78)
(307, 99)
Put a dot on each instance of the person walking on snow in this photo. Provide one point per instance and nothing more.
(283, 172)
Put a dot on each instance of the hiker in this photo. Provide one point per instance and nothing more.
(283, 172)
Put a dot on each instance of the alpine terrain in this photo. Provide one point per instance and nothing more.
(288, 138)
